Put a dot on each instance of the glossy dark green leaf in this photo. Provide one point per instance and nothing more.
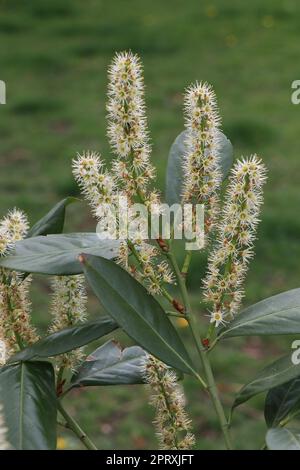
(275, 374)
(112, 365)
(283, 439)
(57, 254)
(174, 175)
(53, 221)
(281, 401)
(66, 340)
(29, 398)
(277, 315)
(136, 311)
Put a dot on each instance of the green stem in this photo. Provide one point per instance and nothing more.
(59, 381)
(211, 384)
(211, 332)
(60, 375)
(186, 263)
(212, 344)
(74, 426)
(174, 314)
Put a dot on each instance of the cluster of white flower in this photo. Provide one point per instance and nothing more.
(68, 308)
(97, 184)
(128, 135)
(171, 421)
(202, 175)
(15, 306)
(131, 171)
(236, 232)
(13, 227)
(127, 124)
(154, 273)
(17, 313)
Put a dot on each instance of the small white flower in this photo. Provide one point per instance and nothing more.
(98, 186)
(217, 318)
(5, 242)
(15, 224)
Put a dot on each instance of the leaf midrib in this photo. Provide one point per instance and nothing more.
(114, 365)
(283, 401)
(143, 320)
(54, 250)
(57, 251)
(255, 319)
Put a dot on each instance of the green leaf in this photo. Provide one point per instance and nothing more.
(111, 365)
(225, 154)
(283, 439)
(53, 221)
(30, 408)
(277, 373)
(174, 176)
(57, 254)
(136, 311)
(66, 340)
(281, 401)
(277, 315)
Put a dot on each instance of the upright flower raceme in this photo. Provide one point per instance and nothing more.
(127, 126)
(68, 309)
(202, 175)
(131, 170)
(171, 421)
(236, 232)
(128, 135)
(15, 307)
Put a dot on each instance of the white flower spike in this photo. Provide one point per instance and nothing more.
(228, 262)
(202, 175)
(171, 421)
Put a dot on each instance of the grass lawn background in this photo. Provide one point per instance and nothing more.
(54, 56)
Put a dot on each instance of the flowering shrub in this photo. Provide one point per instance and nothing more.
(138, 281)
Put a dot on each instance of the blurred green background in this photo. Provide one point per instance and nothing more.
(54, 56)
